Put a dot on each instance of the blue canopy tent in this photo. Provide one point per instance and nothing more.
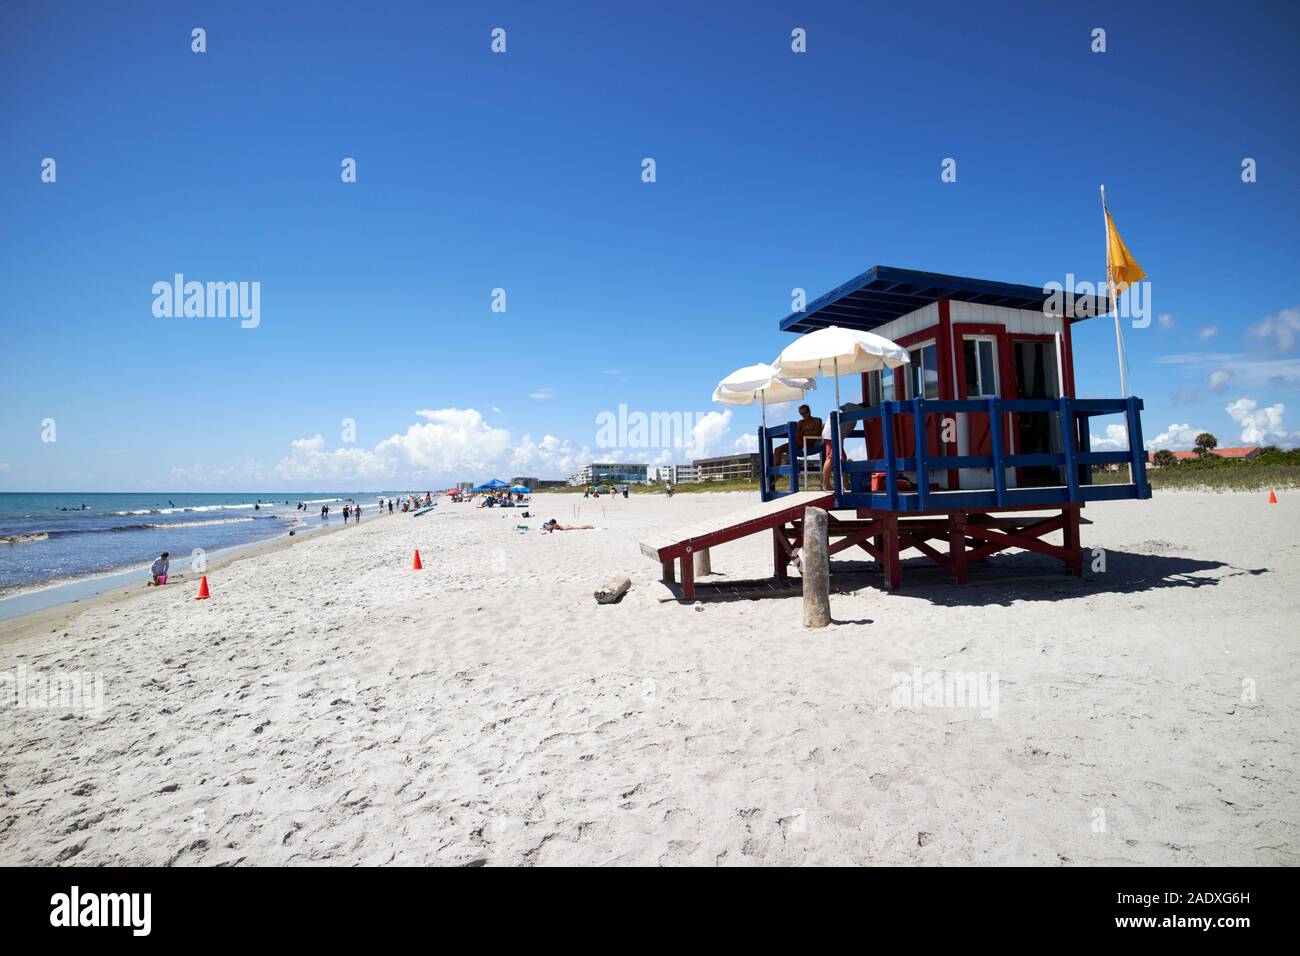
(494, 485)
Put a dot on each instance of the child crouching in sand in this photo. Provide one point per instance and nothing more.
(158, 570)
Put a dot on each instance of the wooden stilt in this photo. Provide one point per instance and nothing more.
(668, 574)
(688, 575)
(893, 568)
(780, 557)
(957, 545)
(1072, 542)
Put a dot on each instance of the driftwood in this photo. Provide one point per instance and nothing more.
(816, 570)
(613, 592)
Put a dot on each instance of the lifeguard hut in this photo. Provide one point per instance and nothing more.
(976, 446)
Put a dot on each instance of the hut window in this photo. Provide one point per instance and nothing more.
(880, 388)
(981, 376)
(925, 371)
(871, 392)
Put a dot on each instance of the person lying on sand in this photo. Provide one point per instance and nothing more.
(158, 570)
(553, 525)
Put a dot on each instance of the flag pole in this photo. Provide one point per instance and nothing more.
(1114, 300)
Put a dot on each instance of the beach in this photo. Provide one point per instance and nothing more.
(330, 705)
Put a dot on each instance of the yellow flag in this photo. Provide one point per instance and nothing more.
(1123, 268)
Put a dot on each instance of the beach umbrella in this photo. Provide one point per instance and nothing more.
(760, 383)
(836, 351)
(520, 489)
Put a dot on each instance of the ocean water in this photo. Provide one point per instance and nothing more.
(51, 539)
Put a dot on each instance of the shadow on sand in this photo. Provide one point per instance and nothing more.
(1022, 576)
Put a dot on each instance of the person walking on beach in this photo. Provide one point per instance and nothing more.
(158, 570)
(390, 505)
(324, 512)
(356, 513)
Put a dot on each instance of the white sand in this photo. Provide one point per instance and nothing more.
(330, 704)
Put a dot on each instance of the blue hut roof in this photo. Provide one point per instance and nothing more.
(883, 293)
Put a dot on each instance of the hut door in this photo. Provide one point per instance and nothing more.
(979, 357)
(1037, 432)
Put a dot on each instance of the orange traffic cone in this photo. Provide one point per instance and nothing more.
(1272, 497)
(203, 589)
(416, 565)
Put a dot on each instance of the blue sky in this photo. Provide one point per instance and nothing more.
(522, 171)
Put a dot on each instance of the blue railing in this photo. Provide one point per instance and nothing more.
(852, 480)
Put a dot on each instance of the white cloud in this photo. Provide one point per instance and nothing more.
(613, 371)
(1175, 438)
(1280, 331)
(1207, 333)
(1165, 321)
(1219, 379)
(4, 466)
(746, 444)
(1115, 439)
(1246, 371)
(449, 444)
(543, 393)
(550, 456)
(1259, 426)
(708, 436)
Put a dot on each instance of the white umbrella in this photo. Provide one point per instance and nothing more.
(760, 383)
(836, 351)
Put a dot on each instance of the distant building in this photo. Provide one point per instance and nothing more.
(1242, 454)
(685, 474)
(550, 483)
(526, 482)
(728, 468)
(464, 486)
(604, 472)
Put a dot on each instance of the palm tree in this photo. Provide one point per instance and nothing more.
(1206, 443)
(1164, 458)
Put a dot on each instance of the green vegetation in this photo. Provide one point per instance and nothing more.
(1273, 468)
(736, 485)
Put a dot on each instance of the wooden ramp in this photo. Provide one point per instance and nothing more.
(682, 543)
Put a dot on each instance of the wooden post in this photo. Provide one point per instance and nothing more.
(668, 574)
(780, 561)
(1074, 564)
(957, 545)
(816, 569)
(893, 567)
(688, 576)
(702, 564)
